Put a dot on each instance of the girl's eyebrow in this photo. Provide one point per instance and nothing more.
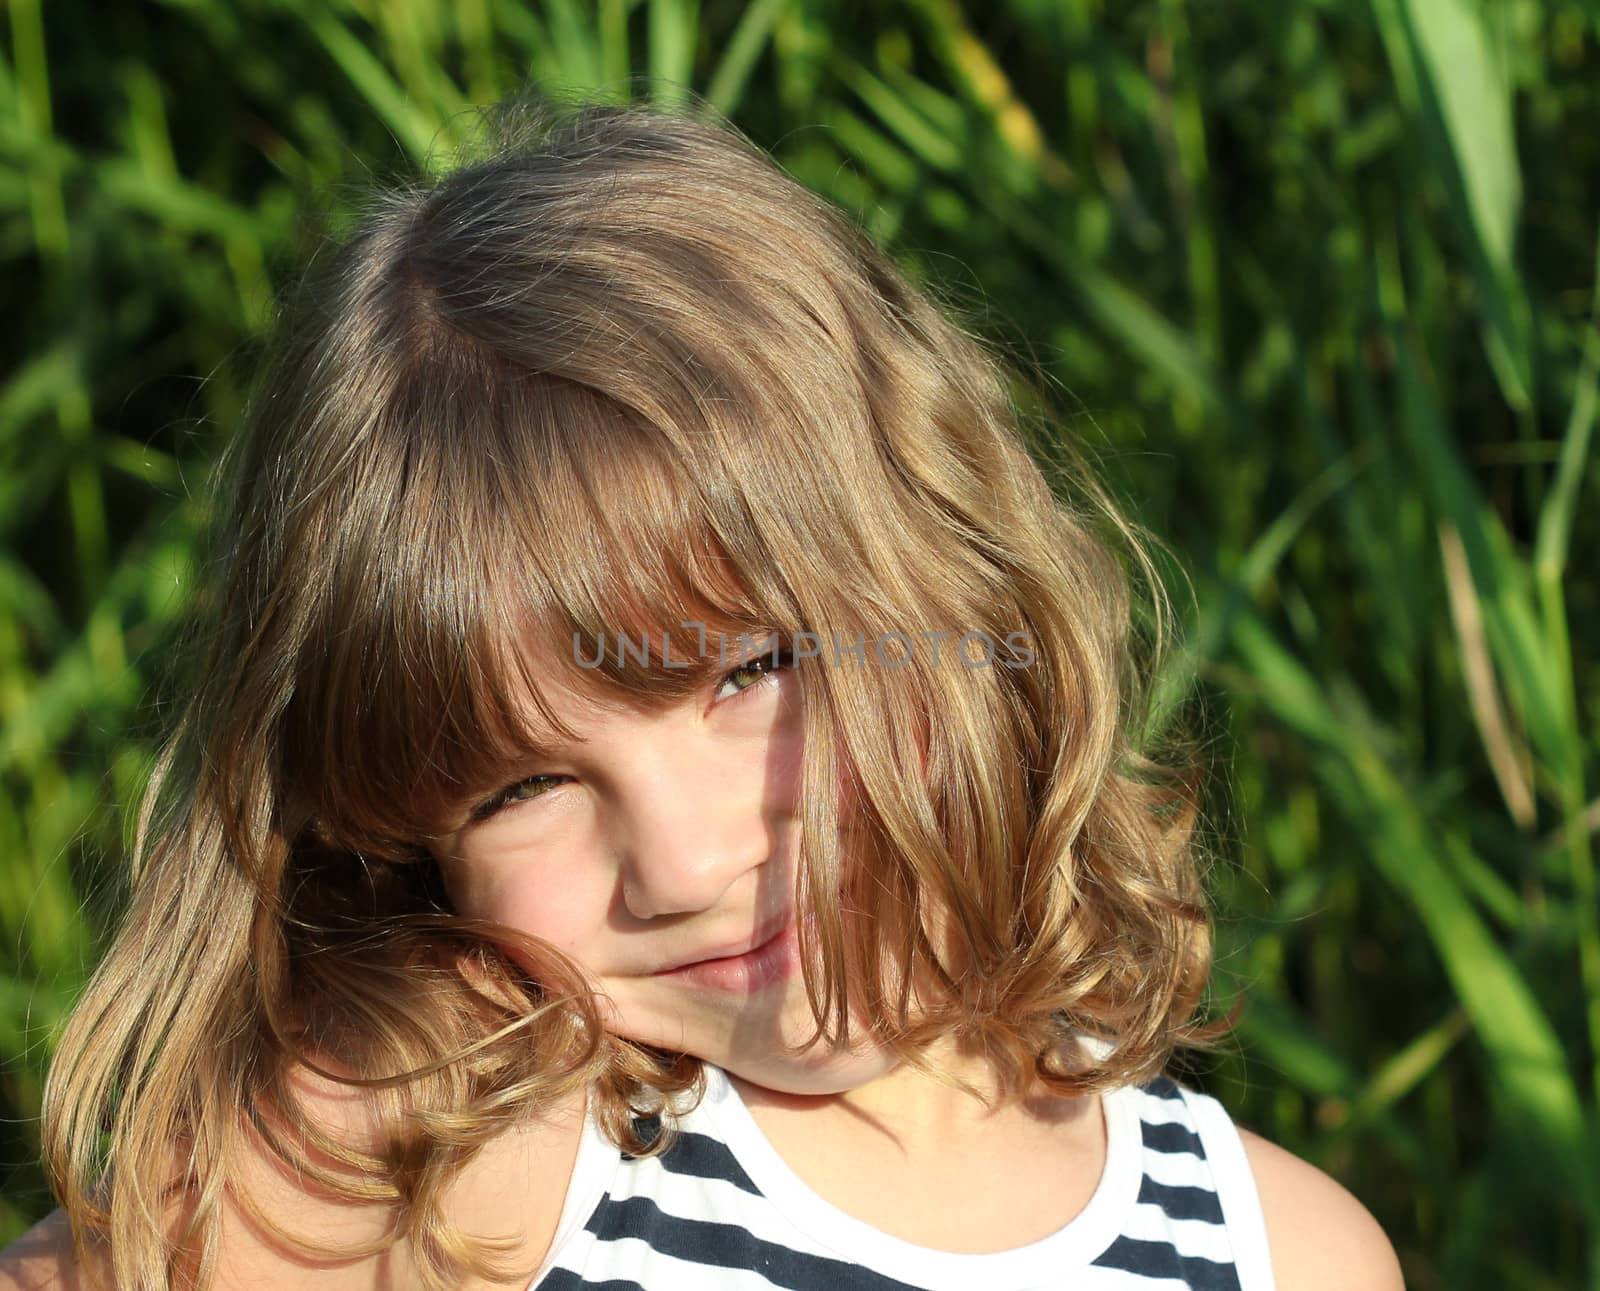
(539, 746)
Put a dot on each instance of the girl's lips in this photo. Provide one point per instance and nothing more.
(772, 961)
(765, 932)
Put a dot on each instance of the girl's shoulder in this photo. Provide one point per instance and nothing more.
(1319, 1236)
(513, 1189)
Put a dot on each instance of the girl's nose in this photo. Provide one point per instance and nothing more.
(688, 844)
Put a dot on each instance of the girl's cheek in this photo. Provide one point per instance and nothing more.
(556, 904)
(521, 893)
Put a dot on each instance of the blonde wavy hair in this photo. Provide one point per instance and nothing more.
(615, 367)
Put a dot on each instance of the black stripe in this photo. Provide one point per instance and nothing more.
(727, 1246)
(1171, 1137)
(1182, 1201)
(1162, 1260)
(1163, 1086)
(700, 1156)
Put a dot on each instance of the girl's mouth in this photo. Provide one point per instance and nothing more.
(773, 961)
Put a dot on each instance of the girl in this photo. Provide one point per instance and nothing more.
(653, 805)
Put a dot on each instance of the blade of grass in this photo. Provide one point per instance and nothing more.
(980, 75)
(412, 39)
(615, 60)
(25, 600)
(941, 144)
(175, 202)
(1508, 754)
(1403, 1071)
(570, 47)
(725, 89)
(50, 227)
(413, 128)
(1446, 78)
(671, 45)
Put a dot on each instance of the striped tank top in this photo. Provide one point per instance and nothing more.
(1176, 1208)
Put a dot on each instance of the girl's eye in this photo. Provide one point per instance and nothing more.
(763, 667)
(514, 794)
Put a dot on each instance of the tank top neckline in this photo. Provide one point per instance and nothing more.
(724, 1115)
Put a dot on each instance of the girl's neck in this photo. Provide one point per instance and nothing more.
(909, 1106)
(893, 1153)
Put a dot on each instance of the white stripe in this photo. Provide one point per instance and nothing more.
(635, 1260)
(1236, 1188)
(715, 1200)
(1198, 1237)
(1178, 1169)
(1163, 1111)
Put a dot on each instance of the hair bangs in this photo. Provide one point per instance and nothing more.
(623, 577)
(578, 550)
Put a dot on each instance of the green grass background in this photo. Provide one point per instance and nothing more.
(1317, 281)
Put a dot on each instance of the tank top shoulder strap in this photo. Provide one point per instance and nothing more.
(592, 1173)
(1201, 1126)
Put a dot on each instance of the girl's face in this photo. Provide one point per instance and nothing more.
(663, 839)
